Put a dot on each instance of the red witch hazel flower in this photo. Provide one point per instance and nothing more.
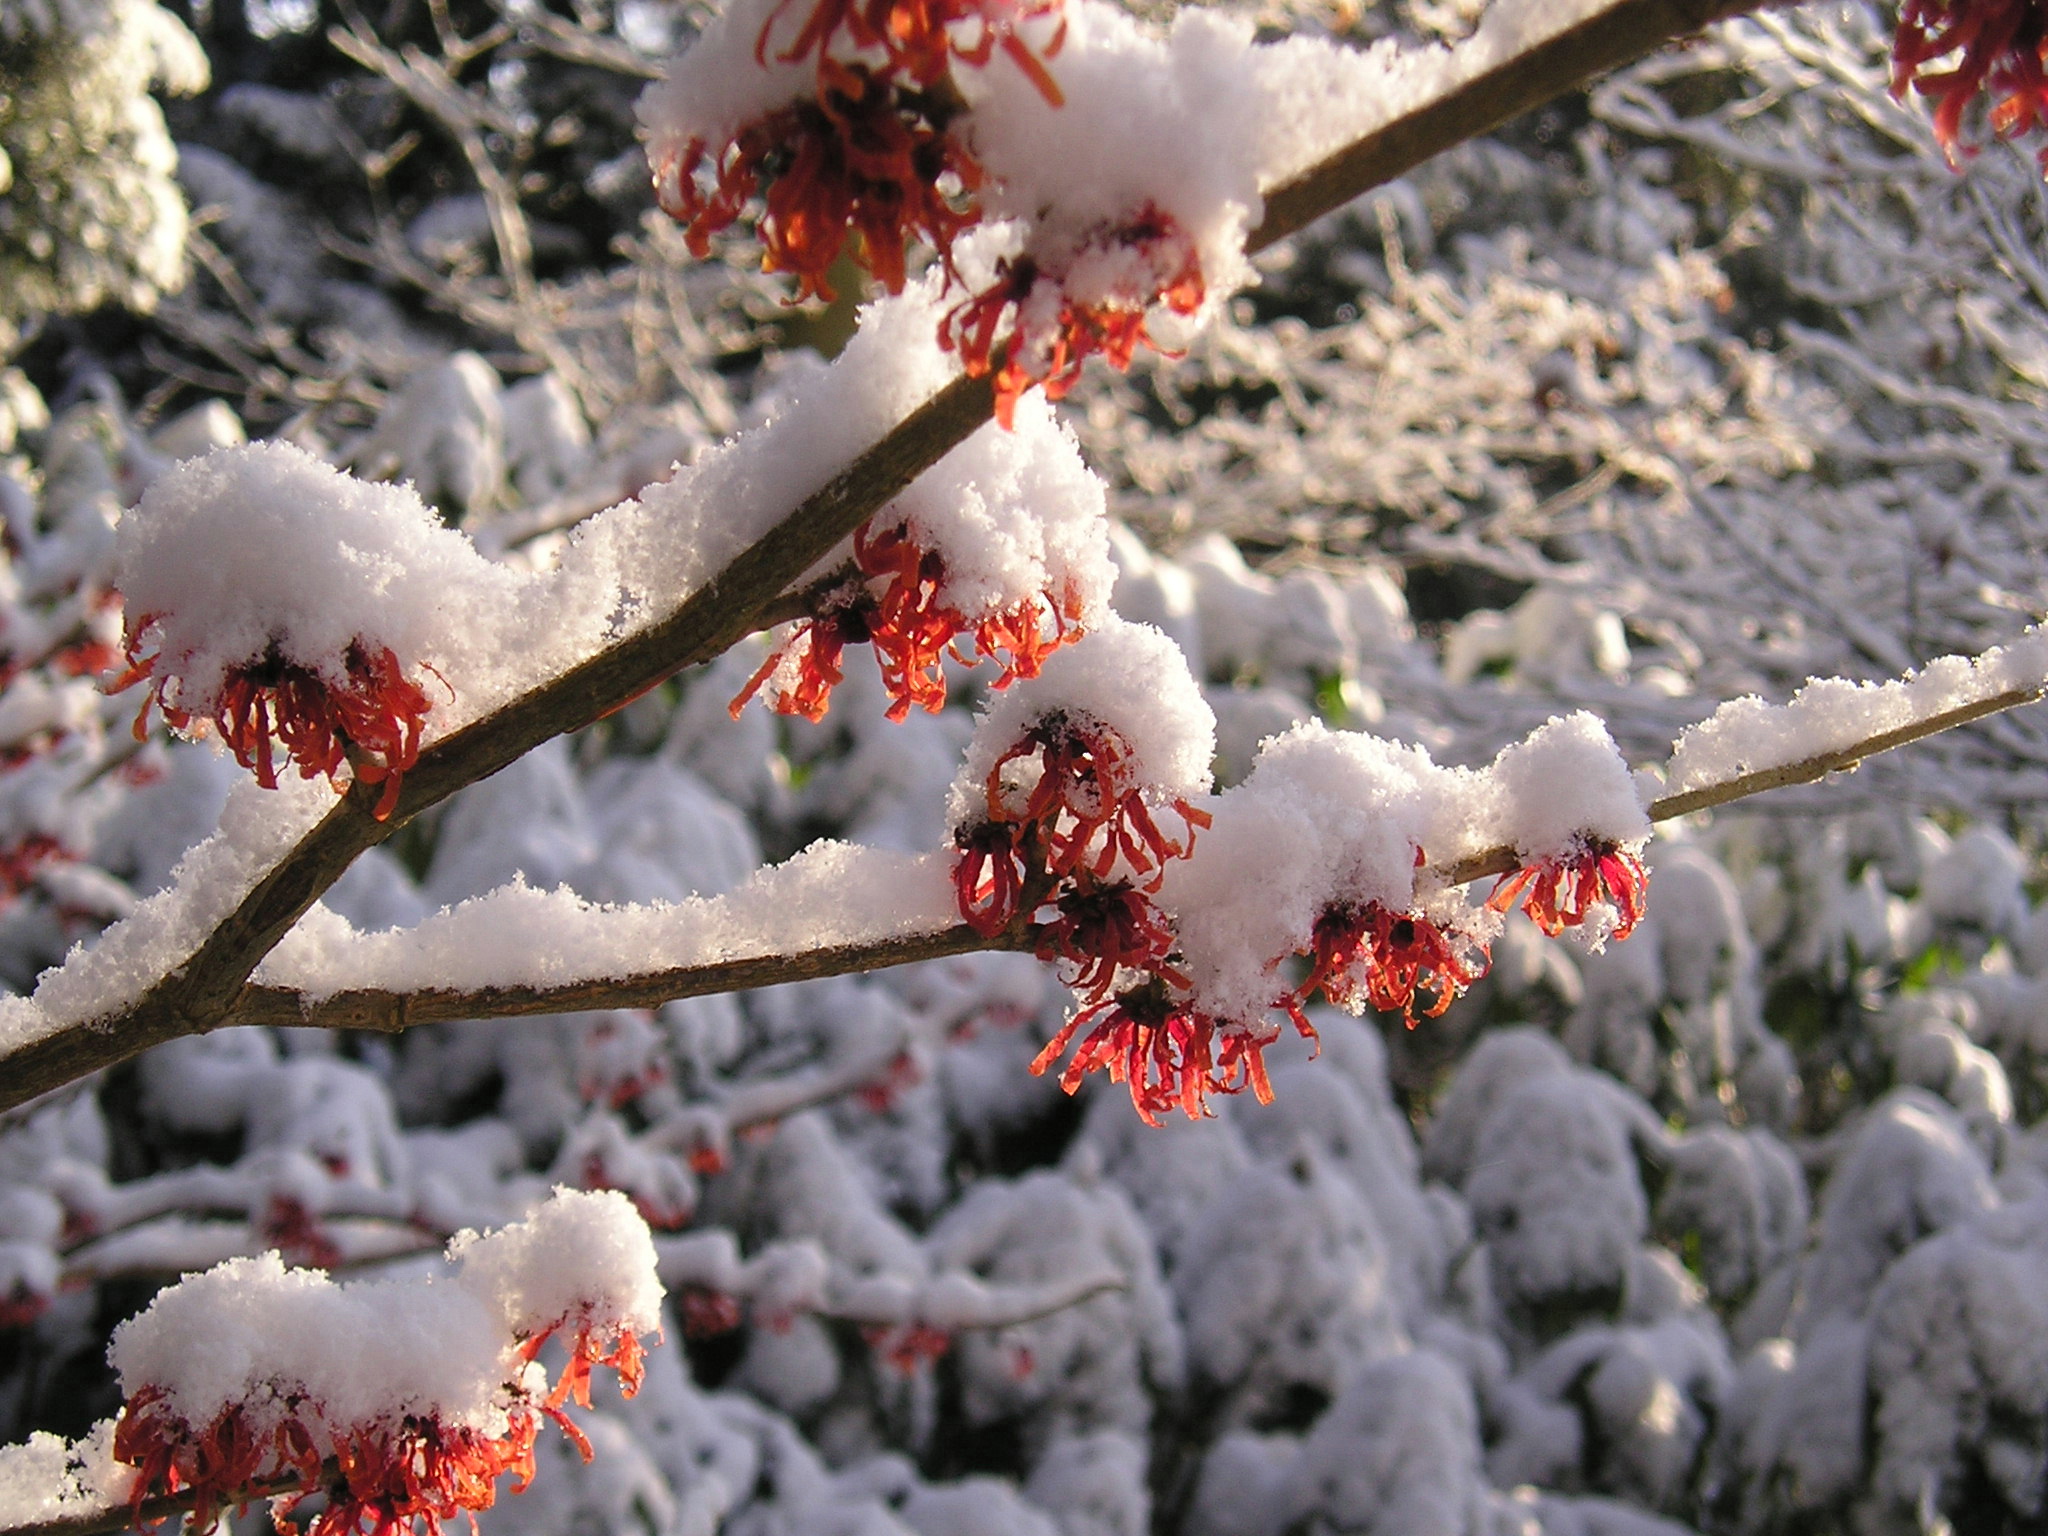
(708, 1313)
(1146, 1038)
(1072, 784)
(333, 1404)
(1366, 954)
(299, 611)
(1091, 301)
(868, 158)
(898, 605)
(369, 717)
(1565, 891)
(907, 1347)
(921, 38)
(1098, 930)
(2000, 45)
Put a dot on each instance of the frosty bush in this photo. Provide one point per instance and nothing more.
(1176, 1043)
(89, 212)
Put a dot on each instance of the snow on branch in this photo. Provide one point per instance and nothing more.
(877, 908)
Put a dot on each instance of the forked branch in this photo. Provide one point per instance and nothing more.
(202, 993)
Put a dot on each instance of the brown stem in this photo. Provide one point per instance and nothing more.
(1615, 36)
(199, 995)
(1501, 861)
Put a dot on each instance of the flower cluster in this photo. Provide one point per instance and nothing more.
(590, 1344)
(376, 1480)
(20, 862)
(1065, 803)
(1090, 303)
(1366, 955)
(370, 717)
(707, 1313)
(921, 38)
(859, 138)
(1998, 47)
(868, 158)
(907, 1347)
(898, 604)
(1149, 1039)
(1068, 825)
(386, 1477)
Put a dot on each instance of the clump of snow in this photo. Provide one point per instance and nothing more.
(678, 534)
(1326, 818)
(263, 551)
(1833, 714)
(50, 1479)
(1563, 783)
(1147, 119)
(257, 828)
(264, 547)
(253, 1334)
(1013, 514)
(582, 1255)
(719, 85)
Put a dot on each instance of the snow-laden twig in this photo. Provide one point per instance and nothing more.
(391, 1012)
(1751, 772)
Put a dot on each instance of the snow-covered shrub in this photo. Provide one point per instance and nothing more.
(757, 973)
(90, 214)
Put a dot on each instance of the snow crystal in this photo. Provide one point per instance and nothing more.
(1747, 735)
(1565, 781)
(830, 894)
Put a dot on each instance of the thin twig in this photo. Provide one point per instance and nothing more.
(1501, 861)
(1616, 36)
(150, 1512)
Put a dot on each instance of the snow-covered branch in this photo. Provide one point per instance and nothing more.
(1747, 748)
